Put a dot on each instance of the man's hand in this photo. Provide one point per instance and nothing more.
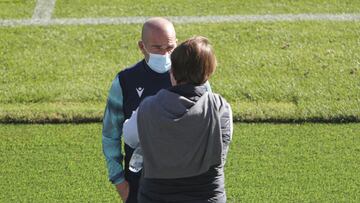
(123, 190)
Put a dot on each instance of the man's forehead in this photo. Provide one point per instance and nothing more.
(163, 42)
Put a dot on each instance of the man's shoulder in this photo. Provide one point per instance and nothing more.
(132, 69)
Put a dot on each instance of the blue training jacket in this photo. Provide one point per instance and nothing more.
(128, 89)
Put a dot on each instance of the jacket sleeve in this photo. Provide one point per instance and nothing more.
(226, 122)
(112, 131)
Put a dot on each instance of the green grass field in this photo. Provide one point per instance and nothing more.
(266, 163)
(268, 71)
(101, 8)
(16, 9)
(279, 71)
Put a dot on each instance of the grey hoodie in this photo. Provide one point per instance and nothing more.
(185, 134)
(179, 137)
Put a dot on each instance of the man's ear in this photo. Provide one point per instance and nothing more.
(141, 47)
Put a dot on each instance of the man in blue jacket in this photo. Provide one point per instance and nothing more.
(128, 89)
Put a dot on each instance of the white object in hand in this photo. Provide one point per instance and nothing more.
(136, 161)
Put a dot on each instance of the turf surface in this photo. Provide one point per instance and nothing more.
(106, 8)
(271, 163)
(16, 9)
(268, 71)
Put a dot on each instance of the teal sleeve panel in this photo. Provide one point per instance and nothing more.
(111, 133)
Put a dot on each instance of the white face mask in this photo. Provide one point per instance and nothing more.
(159, 63)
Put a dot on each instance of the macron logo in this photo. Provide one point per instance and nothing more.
(139, 91)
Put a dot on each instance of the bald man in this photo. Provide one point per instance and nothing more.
(128, 89)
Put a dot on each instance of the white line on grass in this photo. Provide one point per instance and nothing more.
(44, 9)
(183, 19)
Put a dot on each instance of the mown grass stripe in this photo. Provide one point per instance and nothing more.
(266, 163)
(183, 19)
(305, 71)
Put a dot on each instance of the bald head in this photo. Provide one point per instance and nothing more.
(158, 37)
(157, 26)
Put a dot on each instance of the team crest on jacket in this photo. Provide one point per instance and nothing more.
(139, 91)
